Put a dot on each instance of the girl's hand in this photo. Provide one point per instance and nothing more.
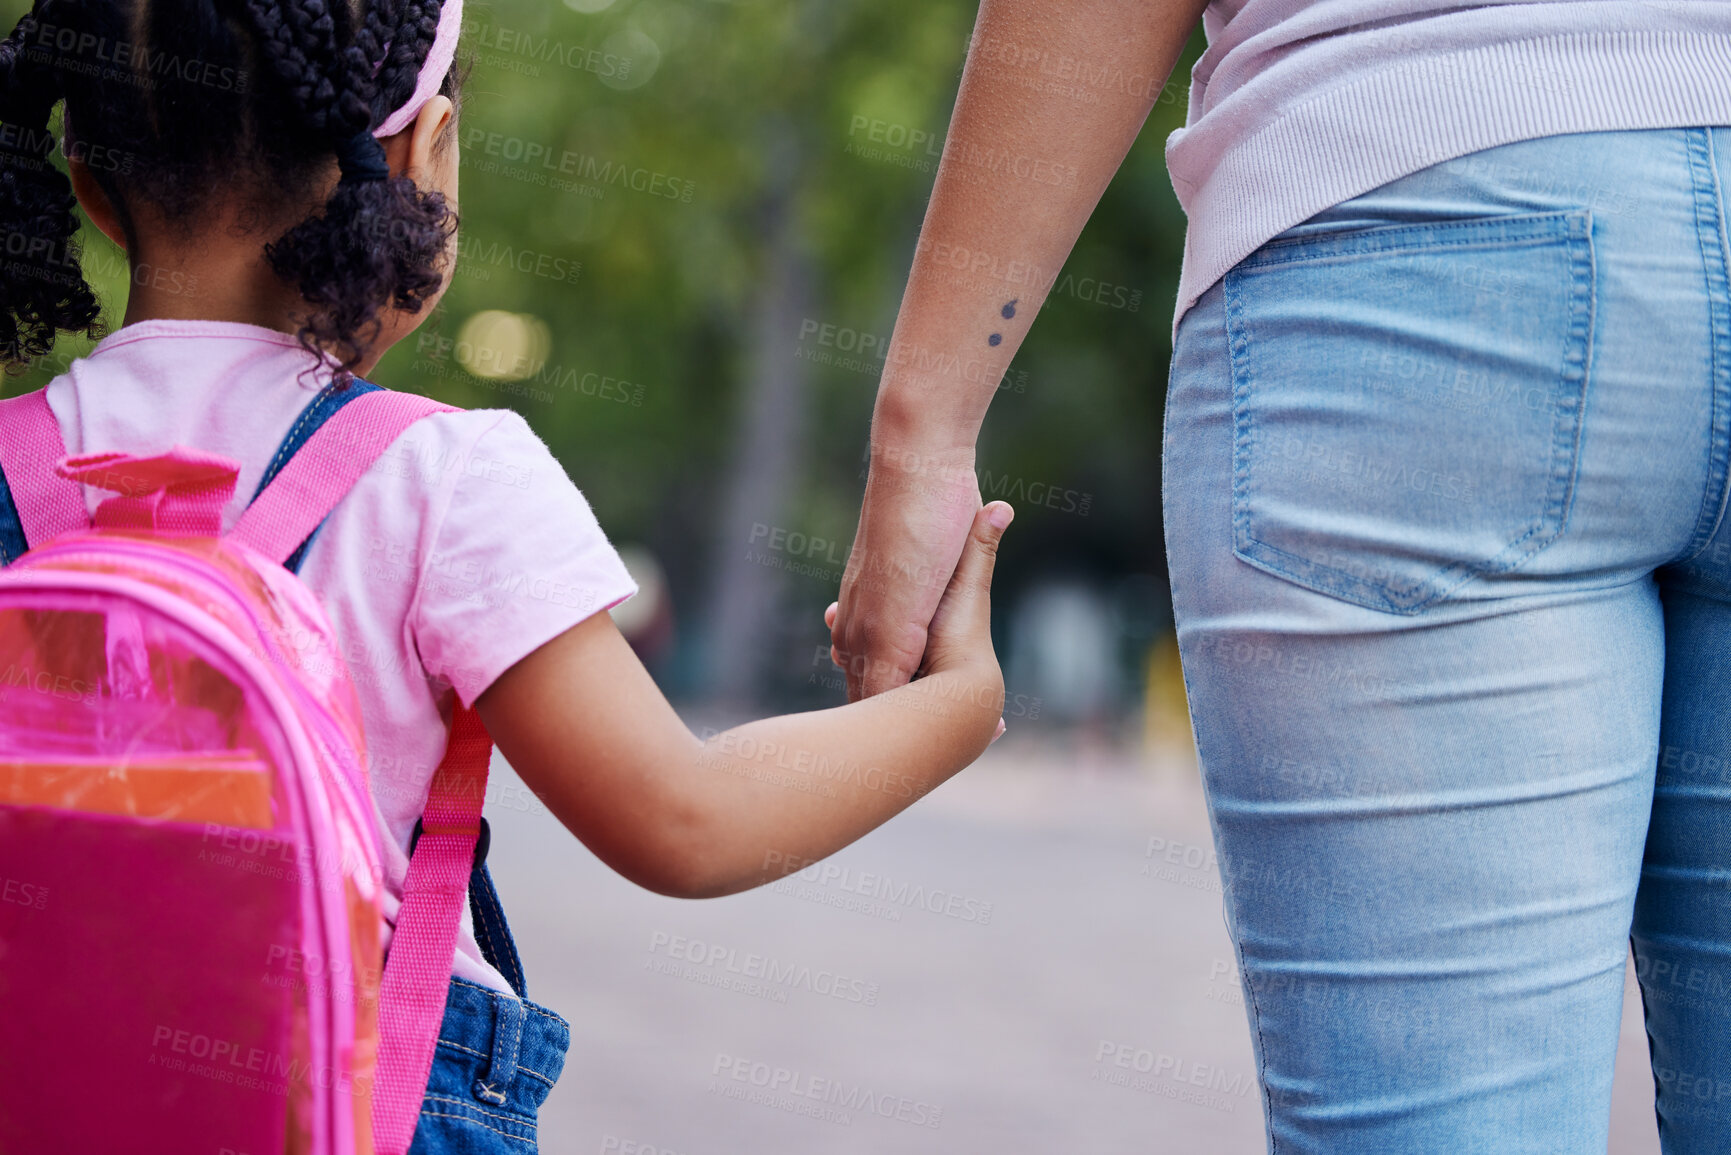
(961, 631)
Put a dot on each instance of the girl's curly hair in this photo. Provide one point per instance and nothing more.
(174, 103)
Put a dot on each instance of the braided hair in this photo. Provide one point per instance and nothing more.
(174, 103)
(41, 287)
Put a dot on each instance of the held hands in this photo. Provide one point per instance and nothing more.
(958, 639)
(914, 522)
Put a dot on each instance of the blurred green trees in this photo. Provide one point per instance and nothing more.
(627, 168)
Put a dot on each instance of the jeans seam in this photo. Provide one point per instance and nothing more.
(1716, 273)
(1237, 342)
(1569, 422)
(532, 1008)
(515, 1120)
(1261, 1045)
(521, 1069)
(529, 1139)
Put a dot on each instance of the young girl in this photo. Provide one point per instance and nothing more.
(283, 177)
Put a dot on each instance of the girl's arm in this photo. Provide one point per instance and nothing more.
(1052, 95)
(586, 728)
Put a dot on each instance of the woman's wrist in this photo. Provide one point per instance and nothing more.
(930, 468)
(929, 412)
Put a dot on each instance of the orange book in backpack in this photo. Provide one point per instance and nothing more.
(231, 788)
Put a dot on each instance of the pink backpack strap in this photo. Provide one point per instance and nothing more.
(323, 471)
(418, 966)
(30, 445)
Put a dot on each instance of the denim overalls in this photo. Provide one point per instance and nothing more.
(497, 1056)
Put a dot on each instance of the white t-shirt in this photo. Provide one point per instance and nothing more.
(464, 549)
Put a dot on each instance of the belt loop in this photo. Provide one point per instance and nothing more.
(508, 1018)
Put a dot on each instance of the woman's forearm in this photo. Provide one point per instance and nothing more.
(1052, 96)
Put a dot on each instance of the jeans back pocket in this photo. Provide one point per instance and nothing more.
(1407, 402)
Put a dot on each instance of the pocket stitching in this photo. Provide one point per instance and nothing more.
(1569, 390)
(1506, 232)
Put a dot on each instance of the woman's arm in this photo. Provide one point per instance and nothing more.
(1053, 94)
(589, 732)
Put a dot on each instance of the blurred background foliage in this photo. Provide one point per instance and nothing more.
(686, 227)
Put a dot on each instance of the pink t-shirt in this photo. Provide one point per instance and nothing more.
(462, 550)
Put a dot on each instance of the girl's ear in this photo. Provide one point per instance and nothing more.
(410, 152)
(95, 202)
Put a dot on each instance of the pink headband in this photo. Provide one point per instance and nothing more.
(433, 70)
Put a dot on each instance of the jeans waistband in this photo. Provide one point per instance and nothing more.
(505, 1038)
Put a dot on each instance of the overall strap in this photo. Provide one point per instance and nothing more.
(318, 411)
(325, 467)
(492, 933)
(35, 502)
(12, 543)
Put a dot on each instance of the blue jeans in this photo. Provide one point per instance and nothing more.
(497, 1056)
(1445, 488)
(497, 1059)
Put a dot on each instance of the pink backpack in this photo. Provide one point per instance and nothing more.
(190, 881)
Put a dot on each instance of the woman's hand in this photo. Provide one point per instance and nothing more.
(913, 524)
(958, 642)
(960, 630)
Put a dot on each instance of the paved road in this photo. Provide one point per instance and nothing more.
(963, 977)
